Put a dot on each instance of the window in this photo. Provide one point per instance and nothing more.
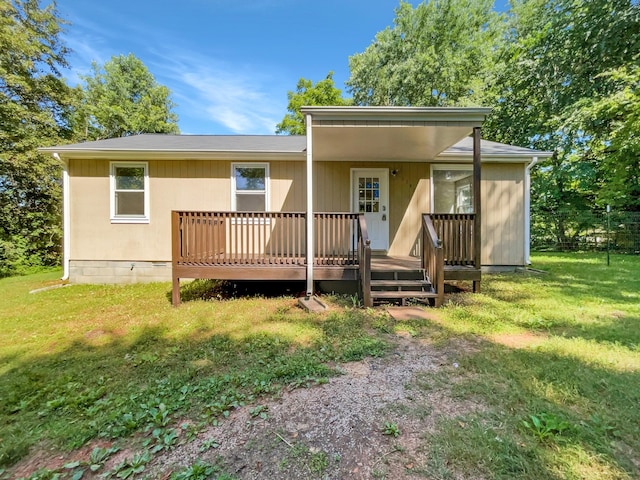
(129, 192)
(250, 187)
(452, 189)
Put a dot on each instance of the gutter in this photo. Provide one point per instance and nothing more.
(66, 217)
(527, 210)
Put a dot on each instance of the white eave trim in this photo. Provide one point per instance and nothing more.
(117, 154)
(424, 114)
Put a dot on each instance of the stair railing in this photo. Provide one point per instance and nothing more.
(364, 262)
(433, 257)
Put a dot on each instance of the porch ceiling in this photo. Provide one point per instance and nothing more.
(388, 133)
(384, 143)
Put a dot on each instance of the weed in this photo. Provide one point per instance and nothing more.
(318, 462)
(99, 456)
(545, 425)
(209, 444)
(132, 466)
(162, 439)
(390, 428)
(259, 411)
(198, 471)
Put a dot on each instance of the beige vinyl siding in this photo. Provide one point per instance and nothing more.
(205, 185)
(173, 185)
(502, 214)
(408, 197)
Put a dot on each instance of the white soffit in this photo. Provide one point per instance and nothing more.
(384, 143)
(389, 133)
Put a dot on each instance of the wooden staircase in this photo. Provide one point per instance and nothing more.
(397, 286)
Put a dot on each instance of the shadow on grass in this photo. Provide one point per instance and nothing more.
(225, 290)
(600, 404)
(114, 389)
(587, 276)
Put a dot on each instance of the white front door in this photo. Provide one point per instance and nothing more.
(370, 196)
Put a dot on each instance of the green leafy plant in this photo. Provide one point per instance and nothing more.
(259, 411)
(318, 462)
(390, 428)
(546, 425)
(209, 444)
(163, 439)
(198, 471)
(132, 466)
(100, 455)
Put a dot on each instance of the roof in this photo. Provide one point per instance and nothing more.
(294, 146)
(464, 148)
(392, 113)
(153, 142)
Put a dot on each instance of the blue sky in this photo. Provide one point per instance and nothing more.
(228, 63)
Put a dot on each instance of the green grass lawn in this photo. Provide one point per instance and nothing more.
(86, 361)
(553, 359)
(562, 347)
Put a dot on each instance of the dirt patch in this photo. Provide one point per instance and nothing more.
(331, 431)
(334, 430)
(519, 340)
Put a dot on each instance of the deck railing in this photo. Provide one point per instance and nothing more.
(364, 257)
(263, 238)
(456, 232)
(433, 257)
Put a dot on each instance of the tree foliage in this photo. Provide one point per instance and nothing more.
(436, 54)
(612, 123)
(550, 67)
(322, 93)
(34, 108)
(123, 98)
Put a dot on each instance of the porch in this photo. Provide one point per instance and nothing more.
(273, 246)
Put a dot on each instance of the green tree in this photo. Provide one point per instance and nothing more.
(123, 98)
(549, 66)
(323, 93)
(612, 126)
(34, 108)
(436, 54)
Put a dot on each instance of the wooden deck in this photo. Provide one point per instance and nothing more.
(272, 246)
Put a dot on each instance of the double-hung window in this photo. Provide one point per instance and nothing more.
(250, 187)
(129, 192)
(451, 189)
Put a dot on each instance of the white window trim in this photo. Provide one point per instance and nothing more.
(442, 166)
(267, 181)
(112, 193)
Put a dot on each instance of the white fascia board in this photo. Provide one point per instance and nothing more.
(424, 114)
(502, 158)
(104, 154)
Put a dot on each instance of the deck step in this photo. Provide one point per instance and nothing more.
(386, 294)
(397, 275)
(400, 284)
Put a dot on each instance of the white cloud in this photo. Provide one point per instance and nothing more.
(230, 95)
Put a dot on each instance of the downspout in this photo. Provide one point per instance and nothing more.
(66, 218)
(309, 240)
(527, 210)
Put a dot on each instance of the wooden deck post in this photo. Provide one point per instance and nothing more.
(309, 241)
(175, 254)
(477, 177)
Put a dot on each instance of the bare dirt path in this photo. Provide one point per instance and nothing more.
(330, 431)
(335, 431)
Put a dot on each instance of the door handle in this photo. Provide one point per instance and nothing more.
(384, 217)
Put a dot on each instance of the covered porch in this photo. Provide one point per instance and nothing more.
(339, 232)
(273, 246)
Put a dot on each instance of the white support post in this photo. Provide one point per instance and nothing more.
(527, 211)
(310, 233)
(66, 218)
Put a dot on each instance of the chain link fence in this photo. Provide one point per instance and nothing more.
(582, 230)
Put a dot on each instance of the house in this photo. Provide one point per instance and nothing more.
(397, 199)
